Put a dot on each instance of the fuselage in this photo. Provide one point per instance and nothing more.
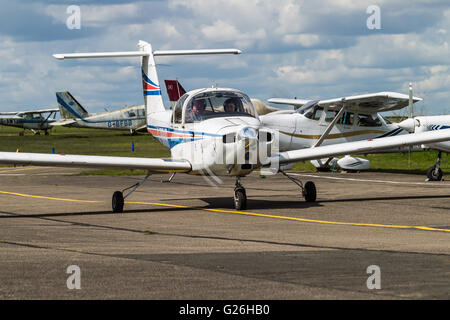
(130, 118)
(27, 121)
(222, 143)
(299, 131)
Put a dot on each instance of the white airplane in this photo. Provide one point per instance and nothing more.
(324, 122)
(206, 134)
(32, 119)
(74, 115)
(430, 123)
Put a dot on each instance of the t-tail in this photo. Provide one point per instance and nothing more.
(69, 107)
(174, 90)
(151, 88)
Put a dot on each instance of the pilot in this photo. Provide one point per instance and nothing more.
(198, 109)
(230, 105)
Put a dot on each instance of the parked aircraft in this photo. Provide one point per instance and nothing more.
(324, 122)
(74, 115)
(211, 131)
(32, 119)
(430, 123)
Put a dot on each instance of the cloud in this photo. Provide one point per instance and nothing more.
(290, 48)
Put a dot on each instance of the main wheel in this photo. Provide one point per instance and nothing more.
(433, 174)
(309, 191)
(117, 202)
(240, 199)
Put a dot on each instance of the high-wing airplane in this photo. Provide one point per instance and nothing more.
(430, 123)
(31, 119)
(210, 131)
(74, 115)
(324, 122)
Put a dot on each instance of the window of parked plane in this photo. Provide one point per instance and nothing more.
(131, 113)
(330, 115)
(347, 118)
(178, 109)
(367, 120)
(386, 120)
(314, 113)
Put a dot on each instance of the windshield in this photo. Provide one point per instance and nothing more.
(218, 104)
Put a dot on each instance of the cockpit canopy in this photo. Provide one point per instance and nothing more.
(211, 103)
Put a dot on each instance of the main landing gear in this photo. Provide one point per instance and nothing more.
(309, 192)
(435, 172)
(118, 198)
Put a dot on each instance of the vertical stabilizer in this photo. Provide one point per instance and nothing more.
(69, 107)
(150, 84)
(174, 90)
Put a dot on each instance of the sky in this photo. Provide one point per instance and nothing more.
(290, 48)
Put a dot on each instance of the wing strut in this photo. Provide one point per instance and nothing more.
(331, 125)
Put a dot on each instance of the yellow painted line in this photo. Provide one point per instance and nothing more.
(21, 169)
(302, 219)
(242, 213)
(48, 198)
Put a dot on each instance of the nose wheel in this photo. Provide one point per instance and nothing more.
(240, 197)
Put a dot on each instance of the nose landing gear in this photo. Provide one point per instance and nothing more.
(240, 197)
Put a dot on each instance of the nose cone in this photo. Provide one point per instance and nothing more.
(247, 133)
(408, 125)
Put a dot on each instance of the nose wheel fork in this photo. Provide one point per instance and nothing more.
(240, 196)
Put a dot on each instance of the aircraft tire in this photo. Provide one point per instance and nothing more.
(117, 202)
(240, 199)
(433, 176)
(310, 192)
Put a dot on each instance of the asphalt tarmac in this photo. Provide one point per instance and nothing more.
(368, 236)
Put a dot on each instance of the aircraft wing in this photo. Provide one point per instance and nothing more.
(63, 122)
(9, 113)
(40, 111)
(103, 162)
(361, 147)
(294, 102)
(364, 103)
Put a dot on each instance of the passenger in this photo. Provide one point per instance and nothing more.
(229, 105)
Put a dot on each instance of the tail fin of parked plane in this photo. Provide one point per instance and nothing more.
(174, 90)
(69, 107)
